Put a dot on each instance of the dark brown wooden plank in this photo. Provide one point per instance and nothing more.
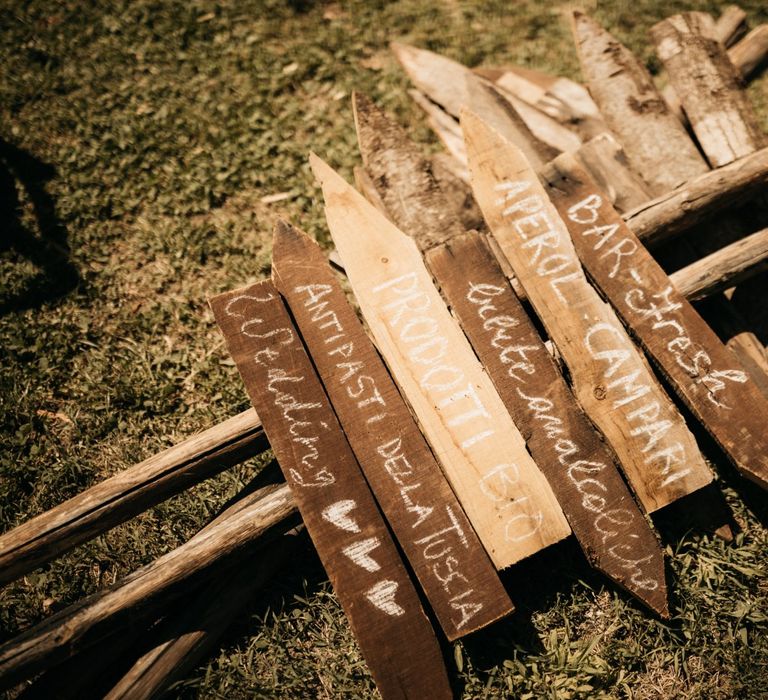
(611, 530)
(335, 502)
(428, 521)
(703, 373)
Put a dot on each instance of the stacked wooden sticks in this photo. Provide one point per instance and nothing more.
(622, 144)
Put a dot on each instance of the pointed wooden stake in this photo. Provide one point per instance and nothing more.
(655, 141)
(507, 499)
(337, 506)
(611, 379)
(703, 373)
(429, 523)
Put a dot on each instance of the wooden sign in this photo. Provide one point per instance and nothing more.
(335, 502)
(507, 499)
(653, 138)
(453, 568)
(704, 374)
(611, 379)
(611, 530)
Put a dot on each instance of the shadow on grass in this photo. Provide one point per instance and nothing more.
(48, 251)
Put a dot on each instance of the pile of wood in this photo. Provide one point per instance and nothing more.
(505, 391)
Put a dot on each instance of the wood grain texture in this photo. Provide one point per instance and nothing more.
(699, 199)
(95, 617)
(505, 496)
(128, 493)
(702, 372)
(608, 524)
(336, 504)
(724, 268)
(457, 191)
(430, 525)
(654, 140)
(731, 25)
(709, 88)
(749, 54)
(612, 381)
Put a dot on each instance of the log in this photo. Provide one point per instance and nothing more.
(611, 379)
(510, 505)
(654, 140)
(88, 621)
(129, 493)
(422, 511)
(699, 199)
(709, 88)
(723, 268)
(188, 636)
(337, 506)
(691, 358)
(750, 53)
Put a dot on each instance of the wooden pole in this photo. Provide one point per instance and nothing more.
(91, 619)
(129, 493)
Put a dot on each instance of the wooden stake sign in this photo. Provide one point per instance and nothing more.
(507, 499)
(611, 530)
(430, 525)
(611, 379)
(335, 502)
(699, 367)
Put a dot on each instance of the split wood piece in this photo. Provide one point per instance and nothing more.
(457, 191)
(611, 379)
(686, 350)
(433, 531)
(731, 25)
(500, 113)
(605, 160)
(610, 528)
(447, 130)
(187, 637)
(723, 268)
(750, 53)
(95, 617)
(654, 140)
(709, 88)
(507, 499)
(752, 356)
(699, 199)
(447, 83)
(129, 493)
(365, 186)
(336, 504)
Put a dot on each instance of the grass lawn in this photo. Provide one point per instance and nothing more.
(138, 142)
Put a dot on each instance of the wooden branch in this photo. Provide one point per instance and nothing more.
(129, 493)
(750, 53)
(723, 268)
(709, 88)
(188, 636)
(699, 199)
(656, 143)
(89, 620)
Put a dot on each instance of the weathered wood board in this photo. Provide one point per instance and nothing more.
(507, 499)
(709, 88)
(337, 506)
(698, 366)
(454, 570)
(610, 527)
(653, 138)
(611, 379)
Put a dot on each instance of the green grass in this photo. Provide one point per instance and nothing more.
(143, 135)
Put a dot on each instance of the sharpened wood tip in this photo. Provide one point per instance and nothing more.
(470, 123)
